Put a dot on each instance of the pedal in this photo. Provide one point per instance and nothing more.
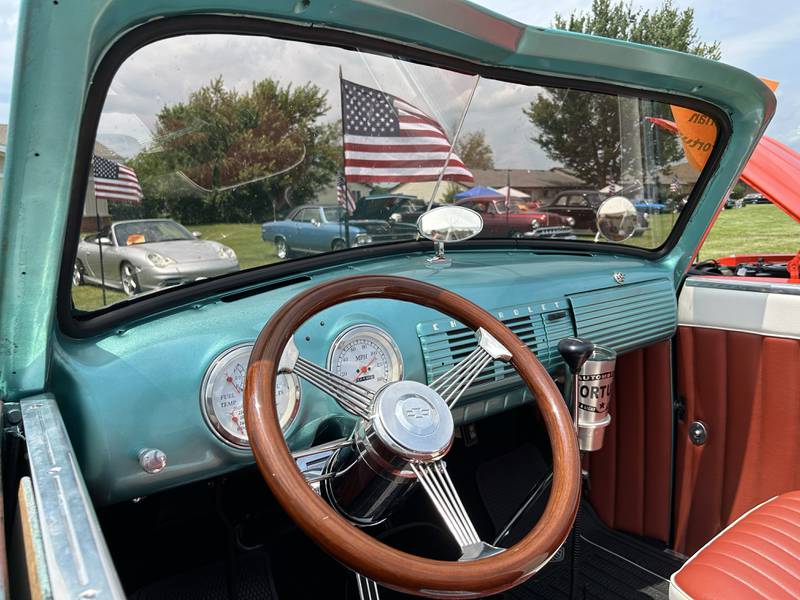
(469, 434)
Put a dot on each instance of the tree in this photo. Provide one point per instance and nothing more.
(474, 151)
(581, 130)
(230, 156)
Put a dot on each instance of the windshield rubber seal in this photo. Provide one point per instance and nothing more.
(79, 324)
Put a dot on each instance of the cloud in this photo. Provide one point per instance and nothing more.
(9, 16)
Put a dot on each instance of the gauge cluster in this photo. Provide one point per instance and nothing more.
(222, 401)
(363, 354)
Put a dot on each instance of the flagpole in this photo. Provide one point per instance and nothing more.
(453, 143)
(99, 245)
(344, 169)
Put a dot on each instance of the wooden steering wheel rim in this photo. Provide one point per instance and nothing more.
(347, 543)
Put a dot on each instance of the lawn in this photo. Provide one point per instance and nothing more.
(749, 230)
(752, 229)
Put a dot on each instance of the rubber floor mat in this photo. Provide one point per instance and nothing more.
(252, 582)
(612, 564)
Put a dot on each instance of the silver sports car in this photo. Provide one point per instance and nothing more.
(144, 255)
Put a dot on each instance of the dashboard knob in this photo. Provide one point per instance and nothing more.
(152, 460)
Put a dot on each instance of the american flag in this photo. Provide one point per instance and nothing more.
(115, 182)
(386, 139)
(612, 187)
(341, 193)
(674, 186)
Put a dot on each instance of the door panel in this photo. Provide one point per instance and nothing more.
(745, 387)
(630, 475)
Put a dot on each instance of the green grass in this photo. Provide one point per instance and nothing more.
(753, 229)
(749, 230)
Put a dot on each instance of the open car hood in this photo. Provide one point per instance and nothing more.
(774, 170)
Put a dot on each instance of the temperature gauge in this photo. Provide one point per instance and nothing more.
(222, 402)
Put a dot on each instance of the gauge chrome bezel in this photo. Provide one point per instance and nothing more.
(207, 400)
(377, 335)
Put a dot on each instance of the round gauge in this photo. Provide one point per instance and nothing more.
(221, 396)
(365, 355)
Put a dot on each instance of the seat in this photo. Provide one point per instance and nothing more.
(757, 556)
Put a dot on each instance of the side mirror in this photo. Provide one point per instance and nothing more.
(104, 241)
(197, 234)
(617, 219)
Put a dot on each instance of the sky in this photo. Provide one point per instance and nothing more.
(763, 41)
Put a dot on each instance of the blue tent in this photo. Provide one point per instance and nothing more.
(478, 192)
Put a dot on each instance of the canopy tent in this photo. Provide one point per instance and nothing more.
(513, 193)
(479, 192)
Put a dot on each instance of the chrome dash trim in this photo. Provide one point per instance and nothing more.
(760, 287)
(78, 562)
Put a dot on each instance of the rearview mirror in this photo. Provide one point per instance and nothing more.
(449, 224)
(617, 219)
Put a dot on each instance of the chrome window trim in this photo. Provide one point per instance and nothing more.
(765, 287)
(78, 562)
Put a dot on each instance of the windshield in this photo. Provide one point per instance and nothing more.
(267, 149)
(146, 232)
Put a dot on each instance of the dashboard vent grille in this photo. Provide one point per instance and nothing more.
(628, 315)
(446, 342)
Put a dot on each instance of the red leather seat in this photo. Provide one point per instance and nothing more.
(757, 556)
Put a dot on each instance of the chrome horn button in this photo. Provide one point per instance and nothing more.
(413, 420)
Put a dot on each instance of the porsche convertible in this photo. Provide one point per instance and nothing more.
(451, 416)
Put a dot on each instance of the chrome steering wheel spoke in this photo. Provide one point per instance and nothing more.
(452, 384)
(367, 588)
(354, 398)
(437, 484)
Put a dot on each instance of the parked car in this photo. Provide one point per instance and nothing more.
(650, 206)
(582, 205)
(756, 199)
(394, 419)
(138, 256)
(315, 228)
(397, 208)
(516, 220)
(731, 202)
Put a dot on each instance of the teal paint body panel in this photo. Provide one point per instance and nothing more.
(140, 386)
(61, 45)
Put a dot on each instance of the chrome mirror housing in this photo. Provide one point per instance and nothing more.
(617, 219)
(448, 224)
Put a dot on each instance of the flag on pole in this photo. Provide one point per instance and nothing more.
(612, 187)
(115, 182)
(343, 195)
(386, 139)
(674, 186)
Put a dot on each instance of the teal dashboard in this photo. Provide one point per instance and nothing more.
(170, 381)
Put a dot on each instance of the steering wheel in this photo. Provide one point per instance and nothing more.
(483, 569)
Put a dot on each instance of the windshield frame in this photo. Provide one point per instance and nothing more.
(79, 324)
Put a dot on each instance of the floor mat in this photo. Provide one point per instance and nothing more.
(612, 565)
(253, 582)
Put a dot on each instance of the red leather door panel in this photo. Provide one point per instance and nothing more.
(746, 389)
(630, 476)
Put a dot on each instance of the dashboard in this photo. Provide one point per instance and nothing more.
(174, 380)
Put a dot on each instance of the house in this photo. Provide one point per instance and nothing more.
(424, 189)
(329, 194)
(539, 184)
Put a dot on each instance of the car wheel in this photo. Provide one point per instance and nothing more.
(281, 248)
(338, 245)
(77, 273)
(129, 279)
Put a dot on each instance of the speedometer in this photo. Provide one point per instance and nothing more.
(221, 396)
(366, 355)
